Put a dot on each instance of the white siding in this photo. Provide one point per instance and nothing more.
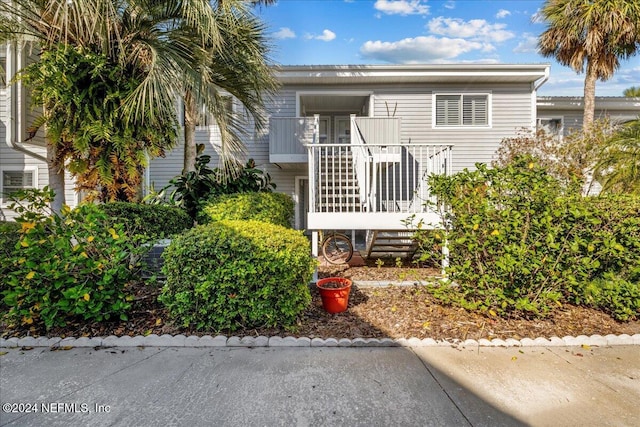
(510, 110)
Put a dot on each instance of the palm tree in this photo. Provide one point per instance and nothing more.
(632, 92)
(156, 41)
(589, 34)
(619, 167)
(238, 67)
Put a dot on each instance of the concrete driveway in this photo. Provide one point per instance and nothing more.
(368, 386)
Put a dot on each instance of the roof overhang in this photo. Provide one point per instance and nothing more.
(436, 73)
(577, 102)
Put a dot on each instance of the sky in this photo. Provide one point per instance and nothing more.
(337, 32)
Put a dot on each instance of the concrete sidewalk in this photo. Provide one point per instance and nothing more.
(368, 386)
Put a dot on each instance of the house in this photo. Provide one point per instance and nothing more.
(354, 144)
(560, 114)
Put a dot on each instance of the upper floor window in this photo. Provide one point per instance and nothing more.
(461, 110)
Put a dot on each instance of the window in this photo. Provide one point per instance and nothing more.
(553, 126)
(462, 110)
(207, 119)
(13, 180)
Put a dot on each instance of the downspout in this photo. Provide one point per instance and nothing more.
(14, 106)
(534, 96)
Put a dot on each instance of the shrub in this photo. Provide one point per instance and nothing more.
(276, 208)
(192, 187)
(151, 221)
(231, 274)
(9, 237)
(67, 267)
(519, 247)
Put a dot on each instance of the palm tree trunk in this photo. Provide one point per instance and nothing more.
(56, 178)
(589, 98)
(190, 118)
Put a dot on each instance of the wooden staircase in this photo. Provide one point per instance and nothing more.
(390, 244)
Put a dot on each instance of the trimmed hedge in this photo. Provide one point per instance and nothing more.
(231, 274)
(276, 208)
(151, 221)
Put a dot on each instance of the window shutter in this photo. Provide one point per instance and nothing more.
(447, 110)
(474, 110)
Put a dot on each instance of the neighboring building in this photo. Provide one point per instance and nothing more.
(562, 114)
(353, 144)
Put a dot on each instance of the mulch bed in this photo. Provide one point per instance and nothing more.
(374, 312)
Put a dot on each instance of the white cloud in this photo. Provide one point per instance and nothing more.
(402, 7)
(418, 49)
(502, 13)
(284, 33)
(528, 44)
(475, 29)
(326, 36)
(450, 4)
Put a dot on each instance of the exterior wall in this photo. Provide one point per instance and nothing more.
(11, 159)
(570, 110)
(510, 110)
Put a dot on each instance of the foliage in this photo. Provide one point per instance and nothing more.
(194, 188)
(590, 36)
(232, 274)
(520, 247)
(275, 208)
(151, 221)
(239, 67)
(9, 237)
(66, 267)
(82, 94)
(571, 160)
(632, 92)
(158, 53)
(618, 166)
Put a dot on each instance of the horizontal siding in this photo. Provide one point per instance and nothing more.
(162, 170)
(572, 119)
(511, 109)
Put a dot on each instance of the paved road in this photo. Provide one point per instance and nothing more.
(439, 386)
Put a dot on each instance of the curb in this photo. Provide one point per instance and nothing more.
(263, 341)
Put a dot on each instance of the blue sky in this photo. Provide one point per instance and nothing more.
(423, 31)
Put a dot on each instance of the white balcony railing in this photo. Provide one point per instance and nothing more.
(372, 186)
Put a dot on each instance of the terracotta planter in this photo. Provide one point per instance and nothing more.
(334, 292)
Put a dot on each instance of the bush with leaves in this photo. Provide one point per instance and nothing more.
(150, 221)
(232, 274)
(67, 267)
(520, 247)
(570, 159)
(276, 208)
(9, 237)
(193, 188)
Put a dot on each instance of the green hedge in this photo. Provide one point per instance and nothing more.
(151, 221)
(232, 274)
(520, 247)
(276, 208)
(9, 237)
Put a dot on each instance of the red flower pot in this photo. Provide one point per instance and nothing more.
(334, 292)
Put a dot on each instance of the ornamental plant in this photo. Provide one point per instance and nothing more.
(276, 208)
(148, 221)
(521, 247)
(67, 267)
(231, 274)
